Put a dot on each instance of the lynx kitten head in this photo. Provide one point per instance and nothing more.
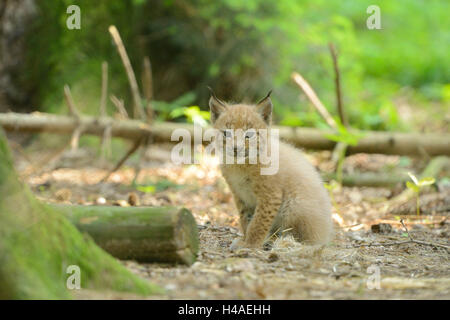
(241, 126)
(240, 116)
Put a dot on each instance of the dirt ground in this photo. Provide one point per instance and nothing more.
(345, 269)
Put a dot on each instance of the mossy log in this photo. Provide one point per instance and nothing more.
(144, 234)
(396, 143)
(37, 245)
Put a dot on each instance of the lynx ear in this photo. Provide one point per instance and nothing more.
(264, 107)
(216, 106)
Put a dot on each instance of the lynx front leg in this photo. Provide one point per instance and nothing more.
(265, 212)
(245, 212)
(245, 215)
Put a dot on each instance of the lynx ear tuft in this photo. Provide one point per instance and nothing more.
(264, 107)
(216, 106)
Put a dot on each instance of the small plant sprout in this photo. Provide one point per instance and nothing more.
(348, 138)
(416, 185)
(331, 187)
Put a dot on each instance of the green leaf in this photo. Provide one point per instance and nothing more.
(426, 181)
(412, 186)
(413, 178)
(147, 188)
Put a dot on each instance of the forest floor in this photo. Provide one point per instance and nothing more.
(345, 269)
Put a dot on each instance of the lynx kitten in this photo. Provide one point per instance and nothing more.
(291, 201)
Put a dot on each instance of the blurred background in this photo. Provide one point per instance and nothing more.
(396, 78)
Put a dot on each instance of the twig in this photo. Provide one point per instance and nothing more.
(135, 146)
(69, 101)
(74, 141)
(106, 137)
(73, 111)
(312, 96)
(106, 142)
(337, 80)
(138, 109)
(339, 151)
(104, 89)
(147, 85)
(119, 105)
(411, 240)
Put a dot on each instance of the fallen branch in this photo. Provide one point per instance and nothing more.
(411, 240)
(372, 142)
(368, 179)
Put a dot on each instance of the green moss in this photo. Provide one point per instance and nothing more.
(37, 245)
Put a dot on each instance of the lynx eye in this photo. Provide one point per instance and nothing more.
(249, 134)
(227, 133)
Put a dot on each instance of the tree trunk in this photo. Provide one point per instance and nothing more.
(395, 143)
(15, 17)
(144, 234)
(37, 245)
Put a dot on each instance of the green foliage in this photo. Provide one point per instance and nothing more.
(344, 135)
(244, 48)
(170, 110)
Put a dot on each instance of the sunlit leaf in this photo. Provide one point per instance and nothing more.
(413, 178)
(412, 186)
(426, 181)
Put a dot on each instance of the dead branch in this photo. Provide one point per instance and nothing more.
(337, 81)
(395, 143)
(106, 143)
(147, 85)
(133, 148)
(104, 89)
(74, 141)
(138, 108)
(73, 111)
(312, 96)
(411, 240)
(367, 179)
(119, 106)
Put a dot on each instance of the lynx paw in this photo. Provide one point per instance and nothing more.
(236, 244)
(239, 243)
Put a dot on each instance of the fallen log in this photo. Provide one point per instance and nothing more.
(144, 234)
(368, 179)
(394, 143)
